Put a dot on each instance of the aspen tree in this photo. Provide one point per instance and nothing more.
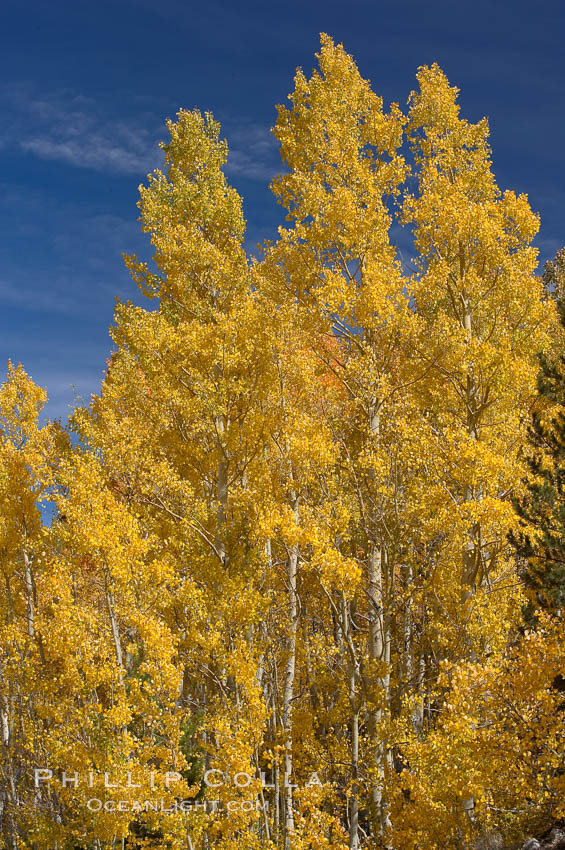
(484, 318)
(338, 264)
(26, 453)
(180, 427)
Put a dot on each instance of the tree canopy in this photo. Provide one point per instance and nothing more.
(280, 603)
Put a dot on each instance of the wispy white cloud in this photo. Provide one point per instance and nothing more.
(82, 132)
(98, 153)
(253, 153)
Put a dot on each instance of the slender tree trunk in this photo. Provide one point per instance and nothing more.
(292, 577)
(222, 491)
(30, 603)
(182, 698)
(354, 708)
(471, 547)
(110, 603)
(471, 556)
(277, 799)
(354, 814)
(379, 652)
(407, 660)
(8, 795)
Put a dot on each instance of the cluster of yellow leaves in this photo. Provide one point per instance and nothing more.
(498, 744)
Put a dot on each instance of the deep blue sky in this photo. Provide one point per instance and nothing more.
(85, 87)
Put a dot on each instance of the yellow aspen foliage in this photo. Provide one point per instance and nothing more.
(180, 427)
(276, 607)
(498, 742)
(484, 317)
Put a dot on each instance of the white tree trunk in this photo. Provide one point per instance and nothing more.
(30, 604)
(287, 722)
(379, 652)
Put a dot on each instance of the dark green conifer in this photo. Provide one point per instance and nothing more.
(542, 508)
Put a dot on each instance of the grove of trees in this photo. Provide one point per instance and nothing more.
(300, 562)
